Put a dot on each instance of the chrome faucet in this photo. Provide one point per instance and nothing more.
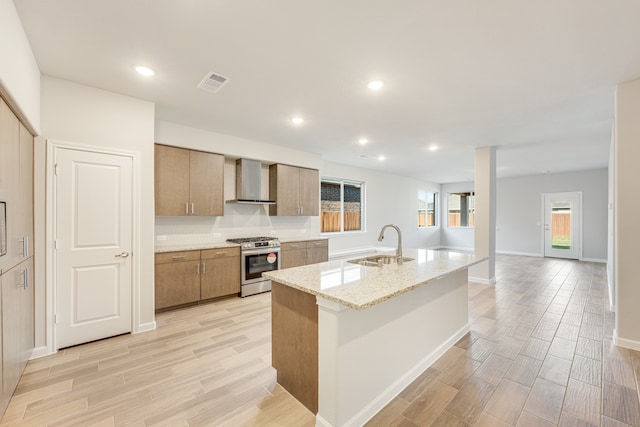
(399, 248)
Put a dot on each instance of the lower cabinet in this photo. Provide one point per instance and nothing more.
(220, 272)
(17, 325)
(294, 254)
(190, 276)
(177, 278)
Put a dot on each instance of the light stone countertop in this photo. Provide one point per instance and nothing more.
(357, 286)
(194, 247)
(216, 245)
(301, 239)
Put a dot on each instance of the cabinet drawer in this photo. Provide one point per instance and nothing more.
(317, 243)
(169, 257)
(292, 246)
(219, 253)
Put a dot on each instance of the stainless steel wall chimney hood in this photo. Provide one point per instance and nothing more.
(249, 183)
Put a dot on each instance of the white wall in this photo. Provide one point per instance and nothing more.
(519, 212)
(388, 199)
(627, 206)
(238, 220)
(19, 72)
(80, 114)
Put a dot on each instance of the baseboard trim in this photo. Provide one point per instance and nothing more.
(532, 254)
(39, 352)
(394, 389)
(623, 342)
(602, 261)
(483, 281)
(144, 327)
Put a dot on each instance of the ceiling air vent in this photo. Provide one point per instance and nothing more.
(213, 82)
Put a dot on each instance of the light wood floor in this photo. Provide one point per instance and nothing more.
(540, 353)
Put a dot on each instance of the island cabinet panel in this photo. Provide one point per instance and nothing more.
(177, 278)
(220, 272)
(294, 331)
(296, 190)
(188, 182)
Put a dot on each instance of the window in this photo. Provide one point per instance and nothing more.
(427, 209)
(462, 210)
(341, 205)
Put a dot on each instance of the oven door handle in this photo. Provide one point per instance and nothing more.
(261, 251)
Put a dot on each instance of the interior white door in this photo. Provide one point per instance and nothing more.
(93, 217)
(562, 228)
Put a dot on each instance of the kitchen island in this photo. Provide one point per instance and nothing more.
(347, 338)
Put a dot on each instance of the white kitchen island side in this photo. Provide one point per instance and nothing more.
(347, 338)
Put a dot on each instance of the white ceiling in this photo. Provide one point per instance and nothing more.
(534, 78)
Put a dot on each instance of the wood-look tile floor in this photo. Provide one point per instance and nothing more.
(539, 354)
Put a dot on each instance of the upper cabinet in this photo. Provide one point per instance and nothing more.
(296, 191)
(188, 182)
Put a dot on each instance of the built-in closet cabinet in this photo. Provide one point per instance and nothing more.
(16, 266)
(188, 182)
(296, 190)
(17, 325)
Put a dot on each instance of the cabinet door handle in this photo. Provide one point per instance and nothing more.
(294, 246)
(197, 269)
(193, 208)
(221, 253)
(204, 268)
(26, 278)
(25, 246)
(301, 210)
(186, 208)
(177, 257)
(122, 254)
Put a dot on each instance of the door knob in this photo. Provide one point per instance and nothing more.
(123, 254)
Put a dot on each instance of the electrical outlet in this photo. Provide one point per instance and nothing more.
(161, 238)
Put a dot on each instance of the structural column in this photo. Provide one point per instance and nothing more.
(485, 207)
(627, 204)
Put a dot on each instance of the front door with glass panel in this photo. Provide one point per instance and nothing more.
(562, 230)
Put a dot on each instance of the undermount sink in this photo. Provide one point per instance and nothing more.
(378, 260)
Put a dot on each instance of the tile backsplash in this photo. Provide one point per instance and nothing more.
(238, 221)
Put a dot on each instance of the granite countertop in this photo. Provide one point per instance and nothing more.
(358, 287)
(194, 247)
(217, 245)
(302, 239)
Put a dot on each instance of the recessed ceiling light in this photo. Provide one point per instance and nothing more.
(381, 158)
(433, 147)
(147, 72)
(297, 120)
(362, 141)
(375, 85)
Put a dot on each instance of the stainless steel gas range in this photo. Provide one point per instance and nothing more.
(257, 255)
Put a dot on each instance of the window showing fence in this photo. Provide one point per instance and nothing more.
(341, 205)
(461, 209)
(427, 209)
